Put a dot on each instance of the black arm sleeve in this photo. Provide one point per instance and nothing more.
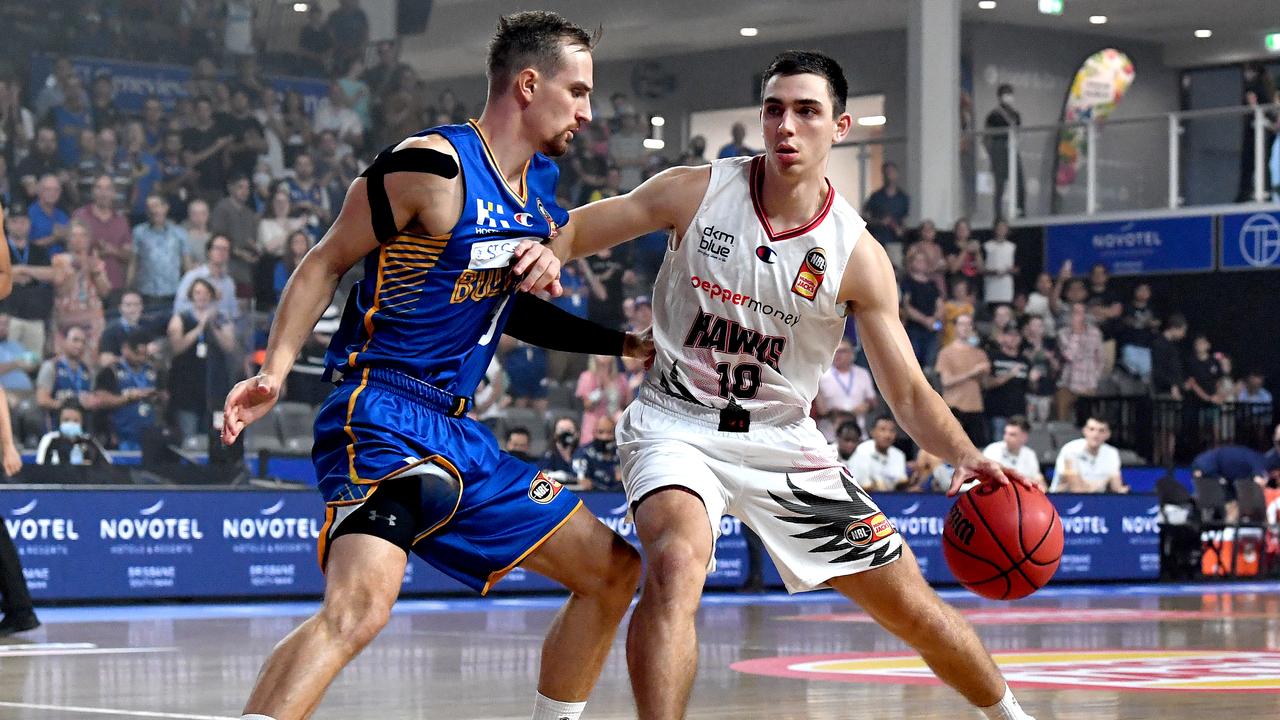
(541, 323)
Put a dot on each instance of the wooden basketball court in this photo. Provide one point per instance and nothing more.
(1107, 653)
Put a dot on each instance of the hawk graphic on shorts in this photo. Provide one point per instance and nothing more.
(853, 528)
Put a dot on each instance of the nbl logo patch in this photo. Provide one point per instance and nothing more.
(811, 273)
(861, 533)
(543, 489)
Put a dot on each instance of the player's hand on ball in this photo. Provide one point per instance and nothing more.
(984, 470)
(640, 345)
(249, 400)
(538, 268)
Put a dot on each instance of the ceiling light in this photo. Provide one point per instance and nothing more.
(871, 120)
(1202, 34)
(749, 32)
(653, 144)
(1098, 19)
(299, 7)
(986, 4)
(1050, 7)
(1273, 42)
(657, 121)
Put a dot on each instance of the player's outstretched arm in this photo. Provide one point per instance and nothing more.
(6, 269)
(541, 323)
(666, 200)
(870, 288)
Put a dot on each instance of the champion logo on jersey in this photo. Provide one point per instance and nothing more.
(766, 254)
(524, 219)
(811, 273)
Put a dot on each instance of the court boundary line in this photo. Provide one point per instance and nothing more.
(110, 711)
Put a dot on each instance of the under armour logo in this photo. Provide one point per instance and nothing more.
(391, 519)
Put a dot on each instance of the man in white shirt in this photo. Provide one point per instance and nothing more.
(844, 387)
(1089, 464)
(999, 265)
(876, 465)
(1013, 452)
(848, 435)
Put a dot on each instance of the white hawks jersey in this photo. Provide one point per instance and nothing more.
(746, 313)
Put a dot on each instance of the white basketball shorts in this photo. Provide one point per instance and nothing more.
(784, 482)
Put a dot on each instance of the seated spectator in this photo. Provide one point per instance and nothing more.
(736, 146)
(235, 218)
(158, 259)
(1227, 464)
(517, 443)
(129, 390)
(848, 435)
(602, 390)
(69, 444)
(296, 247)
(961, 302)
(303, 383)
(1252, 391)
(79, 287)
(203, 341)
(1038, 302)
(929, 473)
(130, 320)
(922, 309)
(48, 221)
(16, 364)
(596, 463)
(876, 465)
(1273, 455)
(962, 367)
(109, 231)
(335, 114)
(176, 181)
(214, 270)
(277, 224)
(889, 202)
(31, 300)
(68, 119)
(1089, 464)
(65, 376)
(1012, 451)
(557, 462)
(1005, 390)
(844, 387)
(197, 227)
(526, 376)
(964, 255)
(307, 193)
(41, 161)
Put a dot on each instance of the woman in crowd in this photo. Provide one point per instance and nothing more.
(203, 341)
(80, 283)
(602, 390)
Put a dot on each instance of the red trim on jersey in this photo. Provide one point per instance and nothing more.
(757, 194)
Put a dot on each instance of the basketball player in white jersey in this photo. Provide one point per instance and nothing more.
(765, 263)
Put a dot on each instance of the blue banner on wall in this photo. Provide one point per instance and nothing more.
(1250, 241)
(1136, 247)
(1108, 537)
(136, 81)
(122, 544)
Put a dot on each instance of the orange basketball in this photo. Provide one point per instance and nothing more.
(1002, 542)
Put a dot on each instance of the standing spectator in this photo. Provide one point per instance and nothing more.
(349, 27)
(142, 166)
(204, 78)
(1258, 90)
(69, 443)
(80, 285)
(154, 124)
(557, 463)
(157, 262)
(876, 465)
(602, 390)
(627, 152)
(357, 94)
(65, 376)
(19, 612)
(844, 388)
(1041, 354)
(16, 365)
(962, 366)
(1204, 371)
(1004, 116)
(198, 235)
(248, 139)
(204, 144)
(104, 159)
(129, 322)
(234, 217)
(596, 462)
(177, 180)
(204, 343)
(314, 42)
(695, 154)
(307, 193)
(1012, 451)
(889, 203)
(48, 221)
(54, 90)
(237, 27)
(1089, 464)
(935, 258)
(296, 247)
(31, 300)
(1137, 329)
(922, 307)
(294, 126)
(102, 103)
(277, 225)
(17, 124)
(1006, 387)
(1080, 344)
(961, 302)
(334, 113)
(604, 274)
(1253, 393)
(1000, 265)
(129, 390)
(964, 257)
(447, 104)
(612, 185)
(68, 119)
(1038, 304)
(268, 115)
(736, 146)
(109, 232)
(213, 271)
(43, 160)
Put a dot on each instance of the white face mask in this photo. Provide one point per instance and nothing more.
(70, 429)
(1007, 99)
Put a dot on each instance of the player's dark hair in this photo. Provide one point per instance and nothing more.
(1100, 420)
(518, 430)
(808, 62)
(884, 418)
(1020, 421)
(533, 39)
(848, 425)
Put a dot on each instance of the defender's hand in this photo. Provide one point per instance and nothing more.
(640, 345)
(538, 267)
(248, 400)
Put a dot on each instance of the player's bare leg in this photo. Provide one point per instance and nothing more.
(601, 571)
(362, 581)
(897, 597)
(662, 642)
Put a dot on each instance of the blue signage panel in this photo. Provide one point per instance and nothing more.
(1108, 537)
(1250, 241)
(121, 544)
(1135, 247)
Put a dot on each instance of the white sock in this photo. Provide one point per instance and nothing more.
(256, 717)
(1007, 709)
(544, 708)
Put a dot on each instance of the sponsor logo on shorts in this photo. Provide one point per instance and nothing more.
(868, 530)
(811, 273)
(543, 489)
(1147, 670)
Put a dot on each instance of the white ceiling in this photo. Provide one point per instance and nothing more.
(460, 29)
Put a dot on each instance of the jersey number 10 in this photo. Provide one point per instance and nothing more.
(743, 380)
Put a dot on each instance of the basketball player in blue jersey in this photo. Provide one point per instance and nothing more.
(451, 224)
(766, 262)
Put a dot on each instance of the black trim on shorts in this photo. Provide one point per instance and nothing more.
(636, 504)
